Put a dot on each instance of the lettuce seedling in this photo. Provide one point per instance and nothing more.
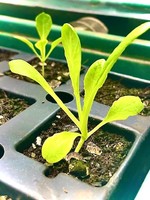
(59, 145)
(43, 27)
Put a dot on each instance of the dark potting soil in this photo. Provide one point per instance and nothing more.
(99, 158)
(6, 54)
(114, 89)
(56, 73)
(10, 106)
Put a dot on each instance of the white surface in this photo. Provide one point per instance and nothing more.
(144, 192)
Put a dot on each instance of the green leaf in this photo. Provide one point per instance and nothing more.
(27, 42)
(43, 25)
(72, 48)
(41, 44)
(58, 146)
(53, 45)
(123, 108)
(125, 43)
(25, 69)
(94, 79)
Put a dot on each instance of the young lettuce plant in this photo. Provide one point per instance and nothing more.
(59, 145)
(43, 27)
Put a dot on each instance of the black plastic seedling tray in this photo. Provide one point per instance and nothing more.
(24, 178)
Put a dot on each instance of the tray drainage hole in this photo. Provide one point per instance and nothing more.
(1, 151)
(64, 96)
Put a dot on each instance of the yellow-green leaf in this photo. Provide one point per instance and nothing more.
(72, 48)
(25, 69)
(123, 108)
(135, 33)
(43, 25)
(41, 45)
(58, 146)
(53, 45)
(27, 42)
(94, 78)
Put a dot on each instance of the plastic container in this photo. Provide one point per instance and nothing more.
(24, 178)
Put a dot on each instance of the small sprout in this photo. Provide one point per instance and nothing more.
(59, 145)
(43, 23)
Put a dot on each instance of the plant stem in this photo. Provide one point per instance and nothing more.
(97, 127)
(43, 68)
(85, 115)
(80, 144)
(62, 105)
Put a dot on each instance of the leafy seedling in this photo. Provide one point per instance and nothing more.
(43, 27)
(59, 145)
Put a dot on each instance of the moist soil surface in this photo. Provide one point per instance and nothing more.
(56, 73)
(6, 54)
(10, 106)
(98, 160)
